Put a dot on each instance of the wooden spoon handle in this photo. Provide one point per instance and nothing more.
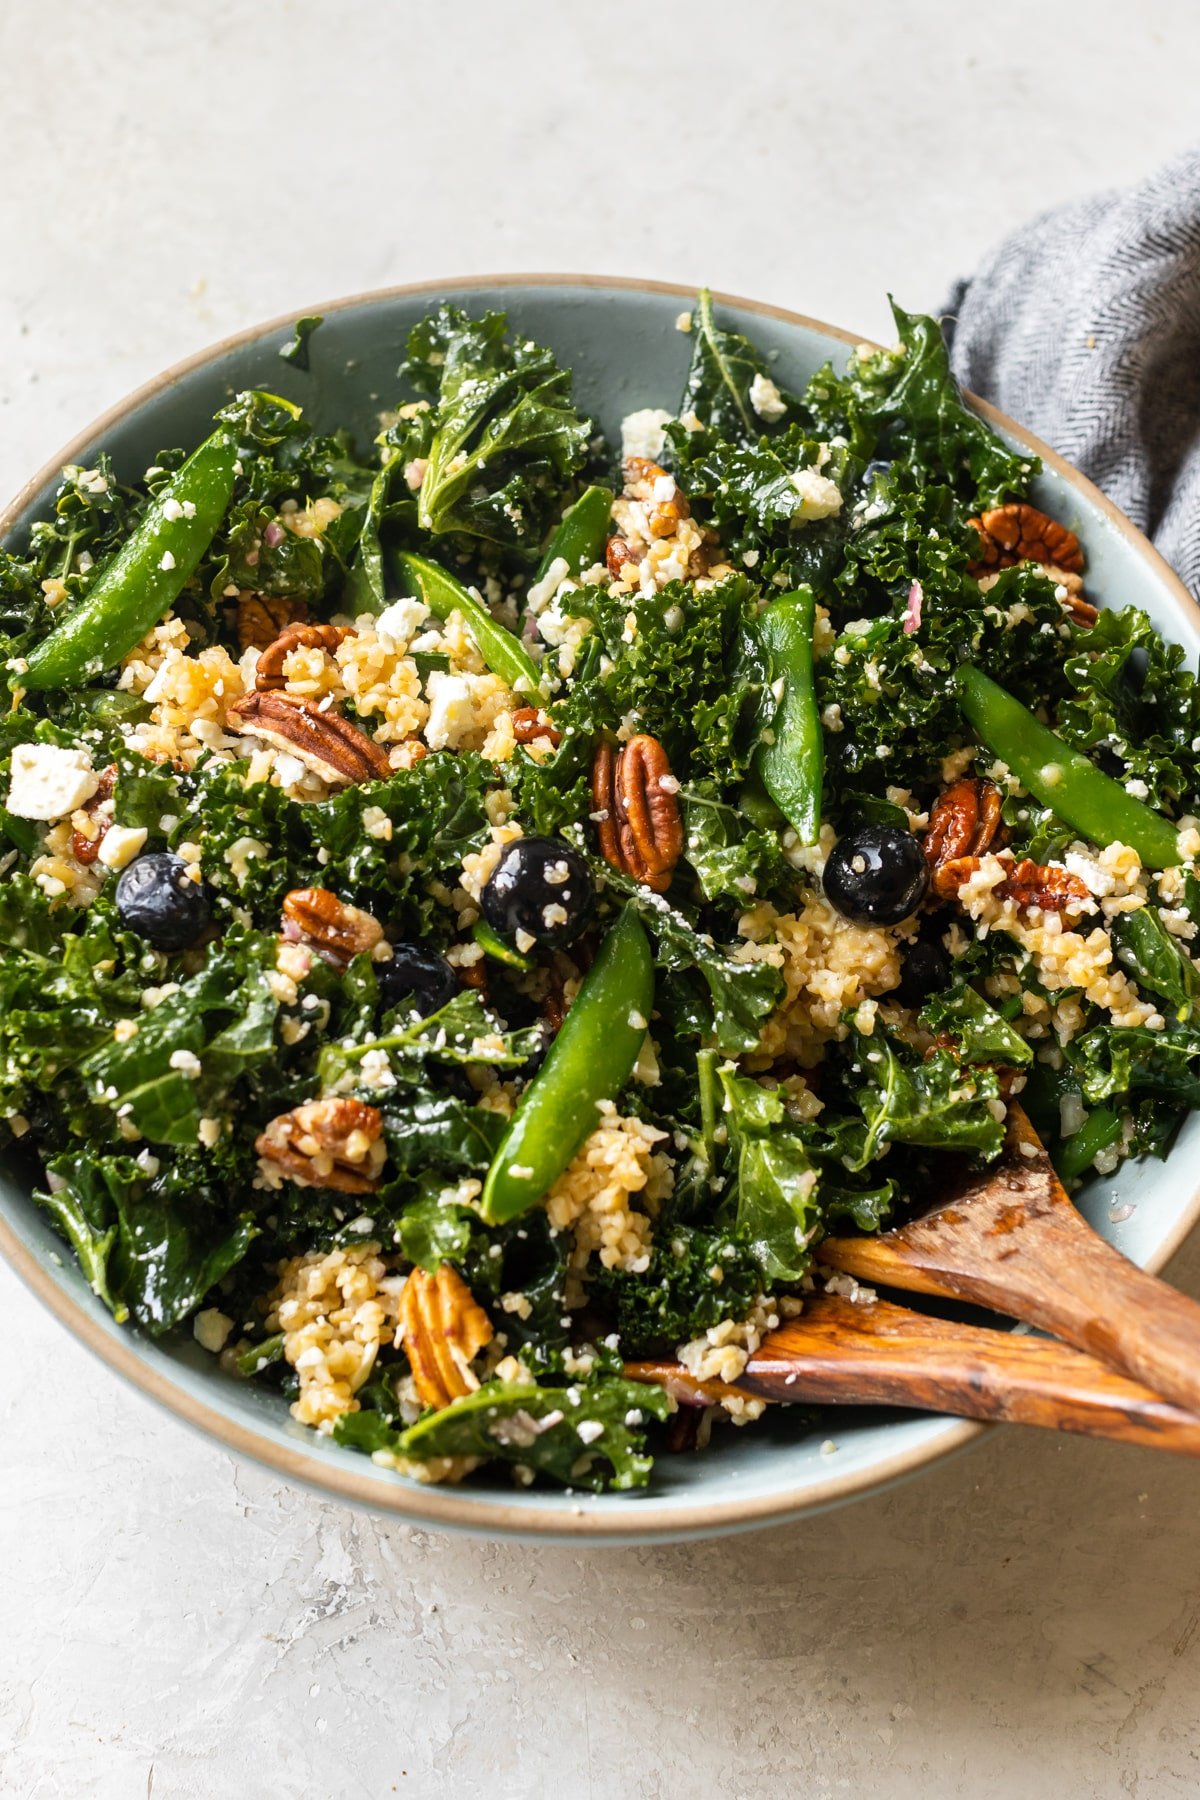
(1012, 1240)
(1076, 1285)
(843, 1352)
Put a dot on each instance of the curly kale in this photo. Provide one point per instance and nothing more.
(500, 439)
(690, 671)
(696, 1277)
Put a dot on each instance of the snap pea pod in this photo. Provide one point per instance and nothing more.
(580, 535)
(504, 654)
(1062, 778)
(1074, 1156)
(792, 768)
(590, 1060)
(146, 576)
(493, 945)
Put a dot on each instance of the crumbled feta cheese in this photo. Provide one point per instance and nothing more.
(451, 711)
(120, 844)
(642, 432)
(171, 509)
(819, 497)
(209, 1133)
(49, 781)
(543, 591)
(211, 1329)
(401, 620)
(766, 399)
(589, 1430)
(167, 561)
(186, 1061)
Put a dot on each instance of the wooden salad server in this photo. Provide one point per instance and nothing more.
(869, 1352)
(1010, 1239)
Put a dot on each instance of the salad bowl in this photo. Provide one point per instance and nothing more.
(620, 341)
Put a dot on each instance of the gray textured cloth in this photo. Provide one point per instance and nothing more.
(1085, 327)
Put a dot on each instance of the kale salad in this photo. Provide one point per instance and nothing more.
(478, 908)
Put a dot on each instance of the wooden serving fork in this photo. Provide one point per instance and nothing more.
(869, 1352)
(1010, 1239)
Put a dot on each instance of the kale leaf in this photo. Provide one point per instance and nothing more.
(696, 1277)
(502, 439)
(980, 1034)
(723, 367)
(537, 1427)
(935, 1102)
(777, 1207)
(693, 674)
(151, 1247)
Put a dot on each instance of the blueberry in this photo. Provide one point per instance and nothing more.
(416, 976)
(157, 898)
(926, 971)
(876, 875)
(540, 887)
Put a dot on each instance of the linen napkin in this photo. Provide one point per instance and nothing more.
(1085, 327)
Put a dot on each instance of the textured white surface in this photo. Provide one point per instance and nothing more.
(1023, 1620)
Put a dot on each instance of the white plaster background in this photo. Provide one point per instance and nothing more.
(1022, 1621)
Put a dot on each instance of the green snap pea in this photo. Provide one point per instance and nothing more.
(504, 654)
(792, 768)
(1063, 778)
(758, 806)
(1074, 1156)
(493, 945)
(146, 576)
(580, 535)
(590, 1060)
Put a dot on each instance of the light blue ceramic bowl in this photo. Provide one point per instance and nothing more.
(620, 340)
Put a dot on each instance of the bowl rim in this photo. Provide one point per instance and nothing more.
(446, 1507)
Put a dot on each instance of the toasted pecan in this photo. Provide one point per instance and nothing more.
(85, 847)
(619, 551)
(326, 743)
(442, 1328)
(332, 1143)
(269, 673)
(1028, 884)
(636, 811)
(261, 618)
(316, 917)
(530, 723)
(964, 822)
(659, 492)
(1019, 532)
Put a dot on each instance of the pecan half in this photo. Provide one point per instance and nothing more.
(1028, 884)
(530, 722)
(326, 743)
(86, 849)
(637, 813)
(659, 492)
(1017, 533)
(327, 1143)
(316, 917)
(617, 553)
(269, 673)
(964, 822)
(442, 1329)
(261, 618)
